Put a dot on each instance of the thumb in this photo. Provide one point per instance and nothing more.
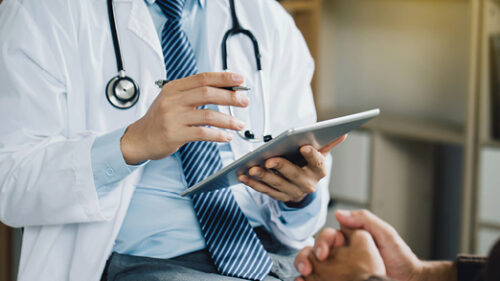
(381, 231)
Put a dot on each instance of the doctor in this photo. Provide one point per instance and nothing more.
(94, 180)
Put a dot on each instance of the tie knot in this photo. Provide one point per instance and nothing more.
(172, 8)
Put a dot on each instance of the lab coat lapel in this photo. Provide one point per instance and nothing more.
(141, 24)
(217, 22)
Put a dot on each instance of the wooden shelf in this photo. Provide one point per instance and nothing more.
(411, 128)
(488, 225)
(307, 16)
(299, 6)
(491, 143)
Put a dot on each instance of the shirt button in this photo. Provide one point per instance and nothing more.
(110, 172)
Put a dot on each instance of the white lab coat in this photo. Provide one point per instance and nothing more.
(56, 57)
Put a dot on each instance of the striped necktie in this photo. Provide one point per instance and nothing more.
(233, 245)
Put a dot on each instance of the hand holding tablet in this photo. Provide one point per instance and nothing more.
(287, 182)
(287, 145)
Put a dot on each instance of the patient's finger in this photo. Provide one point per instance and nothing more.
(302, 263)
(363, 219)
(329, 238)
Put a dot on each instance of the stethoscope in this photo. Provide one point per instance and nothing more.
(236, 29)
(122, 92)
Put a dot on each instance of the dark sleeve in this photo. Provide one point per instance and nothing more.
(469, 268)
(492, 271)
(474, 268)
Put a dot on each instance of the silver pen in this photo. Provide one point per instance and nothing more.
(161, 83)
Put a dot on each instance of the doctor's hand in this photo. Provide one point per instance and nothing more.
(174, 120)
(287, 182)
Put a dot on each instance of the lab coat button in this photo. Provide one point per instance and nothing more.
(110, 172)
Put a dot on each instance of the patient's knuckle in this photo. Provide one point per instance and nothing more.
(361, 234)
(365, 213)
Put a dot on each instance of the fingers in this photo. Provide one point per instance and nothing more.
(214, 79)
(364, 219)
(264, 188)
(210, 95)
(315, 161)
(302, 263)
(202, 117)
(328, 238)
(208, 134)
(328, 147)
(292, 173)
(277, 182)
(361, 239)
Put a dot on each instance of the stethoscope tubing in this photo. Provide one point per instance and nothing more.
(114, 34)
(236, 29)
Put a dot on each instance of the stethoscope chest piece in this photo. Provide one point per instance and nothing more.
(122, 92)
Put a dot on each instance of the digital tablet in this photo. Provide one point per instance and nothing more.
(286, 145)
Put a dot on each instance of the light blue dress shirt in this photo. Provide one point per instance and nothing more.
(159, 223)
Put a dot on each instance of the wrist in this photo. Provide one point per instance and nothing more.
(129, 146)
(303, 202)
(438, 271)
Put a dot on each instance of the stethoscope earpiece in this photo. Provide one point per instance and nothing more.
(268, 138)
(249, 135)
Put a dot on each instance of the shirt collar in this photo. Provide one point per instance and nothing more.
(200, 2)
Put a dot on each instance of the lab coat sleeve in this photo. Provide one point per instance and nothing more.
(292, 69)
(45, 174)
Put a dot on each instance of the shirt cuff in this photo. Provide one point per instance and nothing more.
(299, 205)
(108, 165)
(301, 214)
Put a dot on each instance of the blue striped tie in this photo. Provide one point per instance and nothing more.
(233, 245)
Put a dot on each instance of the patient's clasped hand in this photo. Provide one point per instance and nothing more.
(366, 248)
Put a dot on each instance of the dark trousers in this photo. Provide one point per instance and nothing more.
(196, 266)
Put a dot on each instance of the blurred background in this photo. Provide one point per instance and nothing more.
(430, 164)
